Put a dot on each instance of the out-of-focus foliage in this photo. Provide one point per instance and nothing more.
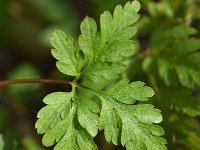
(1, 142)
(31, 144)
(60, 17)
(170, 44)
(11, 140)
(23, 91)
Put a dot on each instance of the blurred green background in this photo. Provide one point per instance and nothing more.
(25, 27)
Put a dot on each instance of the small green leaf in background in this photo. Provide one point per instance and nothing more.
(24, 70)
(31, 144)
(181, 100)
(169, 46)
(11, 141)
(184, 133)
(22, 92)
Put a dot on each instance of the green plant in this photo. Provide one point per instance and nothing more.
(72, 121)
(103, 98)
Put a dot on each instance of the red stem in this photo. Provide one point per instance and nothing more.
(51, 81)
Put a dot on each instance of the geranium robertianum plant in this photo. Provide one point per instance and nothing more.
(103, 99)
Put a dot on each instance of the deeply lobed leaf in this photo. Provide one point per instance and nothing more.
(87, 116)
(106, 50)
(58, 123)
(102, 72)
(132, 125)
(69, 121)
(129, 93)
(57, 110)
(69, 60)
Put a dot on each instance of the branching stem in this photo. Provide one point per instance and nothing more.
(49, 81)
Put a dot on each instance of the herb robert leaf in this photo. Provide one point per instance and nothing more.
(105, 50)
(130, 125)
(69, 60)
(70, 121)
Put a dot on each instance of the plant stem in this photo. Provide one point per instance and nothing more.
(17, 81)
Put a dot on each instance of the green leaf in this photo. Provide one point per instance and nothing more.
(69, 60)
(75, 138)
(185, 46)
(187, 69)
(58, 123)
(173, 45)
(168, 33)
(118, 51)
(181, 99)
(87, 116)
(88, 38)
(53, 115)
(111, 123)
(183, 31)
(133, 125)
(104, 72)
(190, 140)
(183, 129)
(106, 50)
(129, 93)
(70, 121)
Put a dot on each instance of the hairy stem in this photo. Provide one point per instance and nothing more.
(18, 81)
